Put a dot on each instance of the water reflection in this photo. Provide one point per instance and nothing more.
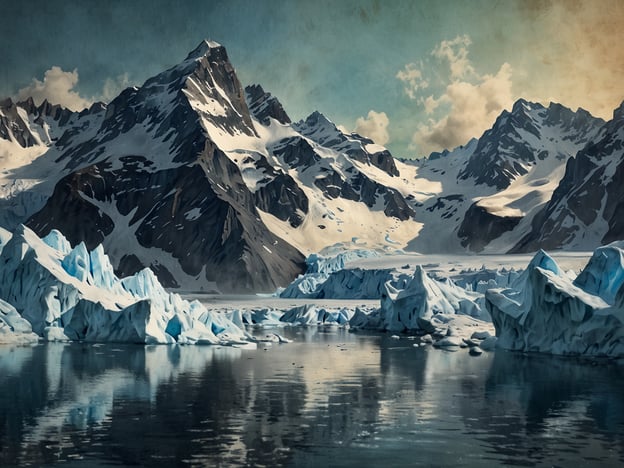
(328, 398)
(547, 405)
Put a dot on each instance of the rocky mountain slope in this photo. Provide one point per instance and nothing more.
(587, 208)
(483, 196)
(208, 184)
(213, 186)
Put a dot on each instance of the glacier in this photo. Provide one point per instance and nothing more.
(547, 310)
(49, 289)
(327, 276)
(413, 307)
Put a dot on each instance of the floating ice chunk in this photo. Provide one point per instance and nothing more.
(545, 311)
(327, 277)
(54, 334)
(74, 294)
(447, 342)
(13, 328)
(413, 307)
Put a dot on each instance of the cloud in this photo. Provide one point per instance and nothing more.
(412, 79)
(57, 87)
(455, 52)
(473, 107)
(468, 102)
(431, 104)
(374, 126)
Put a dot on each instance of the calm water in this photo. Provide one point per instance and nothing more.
(328, 399)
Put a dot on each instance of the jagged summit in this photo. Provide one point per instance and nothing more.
(212, 186)
(264, 106)
(618, 112)
(205, 48)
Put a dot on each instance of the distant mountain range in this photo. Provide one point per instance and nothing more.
(213, 186)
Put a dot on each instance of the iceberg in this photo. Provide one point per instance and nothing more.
(547, 311)
(414, 307)
(328, 277)
(308, 314)
(66, 293)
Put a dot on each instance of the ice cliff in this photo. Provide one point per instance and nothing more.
(328, 277)
(547, 311)
(65, 293)
(413, 307)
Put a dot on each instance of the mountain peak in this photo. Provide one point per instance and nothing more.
(203, 49)
(523, 106)
(618, 112)
(316, 118)
(265, 106)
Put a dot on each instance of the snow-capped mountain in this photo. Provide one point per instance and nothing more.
(213, 187)
(209, 185)
(484, 195)
(587, 208)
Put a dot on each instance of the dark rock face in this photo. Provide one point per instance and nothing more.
(221, 234)
(447, 205)
(183, 200)
(71, 213)
(11, 123)
(299, 154)
(283, 198)
(480, 227)
(590, 192)
(263, 106)
(505, 151)
(319, 129)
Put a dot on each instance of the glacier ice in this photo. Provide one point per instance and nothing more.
(307, 314)
(413, 307)
(73, 294)
(14, 328)
(328, 277)
(547, 311)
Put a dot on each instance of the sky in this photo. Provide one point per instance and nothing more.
(416, 76)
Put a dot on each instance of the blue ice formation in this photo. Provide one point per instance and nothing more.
(547, 311)
(73, 294)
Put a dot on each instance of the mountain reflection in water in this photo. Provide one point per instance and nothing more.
(331, 397)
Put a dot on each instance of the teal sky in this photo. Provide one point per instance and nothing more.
(434, 73)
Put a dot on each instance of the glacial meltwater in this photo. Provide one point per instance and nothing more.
(329, 398)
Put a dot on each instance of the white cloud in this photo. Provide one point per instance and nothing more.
(456, 53)
(468, 102)
(473, 109)
(412, 79)
(374, 126)
(431, 104)
(57, 87)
